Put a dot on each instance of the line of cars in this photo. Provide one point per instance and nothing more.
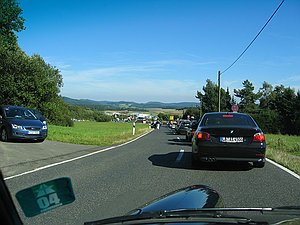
(185, 127)
(21, 123)
(225, 136)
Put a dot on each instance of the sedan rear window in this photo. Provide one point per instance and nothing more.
(227, 120)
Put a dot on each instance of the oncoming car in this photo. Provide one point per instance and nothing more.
(223, 136)
(22, 123)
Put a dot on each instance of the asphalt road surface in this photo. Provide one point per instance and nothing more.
(115, 181)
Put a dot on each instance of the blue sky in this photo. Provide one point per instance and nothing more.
(162, 50)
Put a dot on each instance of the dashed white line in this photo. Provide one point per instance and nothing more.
(181, 152)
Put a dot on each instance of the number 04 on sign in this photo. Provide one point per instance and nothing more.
(46, 196)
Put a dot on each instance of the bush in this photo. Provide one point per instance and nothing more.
(57, 113)
(267, 120)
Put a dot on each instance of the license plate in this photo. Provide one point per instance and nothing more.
(232, 139)
(33, 132)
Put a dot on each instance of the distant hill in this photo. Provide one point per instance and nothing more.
(106, 105)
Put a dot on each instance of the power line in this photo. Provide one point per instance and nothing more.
(254, 38)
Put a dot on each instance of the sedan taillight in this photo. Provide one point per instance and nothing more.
(203, 136)
(259, 137)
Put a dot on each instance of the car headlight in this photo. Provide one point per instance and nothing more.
(17, 127)
(45, 127)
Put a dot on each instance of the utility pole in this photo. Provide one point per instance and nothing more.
(219, 87)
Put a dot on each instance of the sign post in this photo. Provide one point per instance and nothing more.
(133, 129)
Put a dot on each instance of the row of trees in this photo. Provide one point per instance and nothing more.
(85, 113)
(31, 82)
(27, 80)
(276, 109)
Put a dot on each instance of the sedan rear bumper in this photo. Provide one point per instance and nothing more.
(247, 154)
(214, 159)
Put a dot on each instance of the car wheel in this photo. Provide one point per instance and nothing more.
(3, 135)
(41, 140)
(258, 164)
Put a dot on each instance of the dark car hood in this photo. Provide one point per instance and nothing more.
(193, 197)
(20, 122)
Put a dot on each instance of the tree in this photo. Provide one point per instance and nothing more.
(163, 116)
(27, 81)
(209, 100)
(11, 22)
(297, 114)
(247, 97)
(267, 120)
(31, 82)
(226, 100)
(192, 112)
(285, 102)
(266, 95)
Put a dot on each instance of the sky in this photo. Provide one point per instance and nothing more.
(162, 50)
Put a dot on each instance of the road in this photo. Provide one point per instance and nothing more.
(116, 181)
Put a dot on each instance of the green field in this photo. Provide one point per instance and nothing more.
(283, 149)
(94, 133)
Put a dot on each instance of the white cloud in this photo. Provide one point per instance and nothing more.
(141, 90)
(160, 80)
(291, 79)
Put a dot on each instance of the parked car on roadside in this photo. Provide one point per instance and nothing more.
(22, 123)
(223, 136)
(190, 130)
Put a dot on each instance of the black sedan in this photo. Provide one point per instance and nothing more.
(223, 136)
(182, 126)
(190, 131)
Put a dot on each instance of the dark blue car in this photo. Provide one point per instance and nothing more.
(22, 123)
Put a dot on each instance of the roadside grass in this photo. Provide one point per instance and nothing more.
(96, 133)
(285, 150)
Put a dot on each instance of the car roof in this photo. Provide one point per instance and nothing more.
(222, 113)
(12, 106)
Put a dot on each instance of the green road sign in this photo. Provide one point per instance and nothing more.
(46, 196)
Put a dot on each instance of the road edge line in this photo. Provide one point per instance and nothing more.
(76, 158)
(284, 168)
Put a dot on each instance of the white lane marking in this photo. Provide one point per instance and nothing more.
(283, 168)
(180, 155)
(73, 159)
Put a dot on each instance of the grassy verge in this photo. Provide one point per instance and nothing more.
(93, 133)
(285, 150)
